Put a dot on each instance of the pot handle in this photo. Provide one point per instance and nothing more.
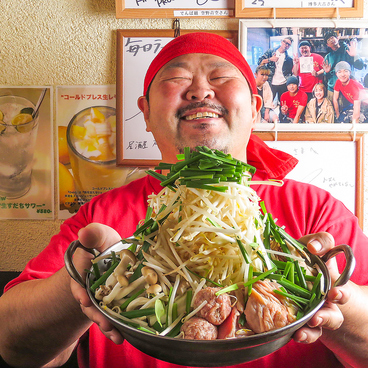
(68, 260)
(350, 262)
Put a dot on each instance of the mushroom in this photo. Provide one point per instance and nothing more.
(154, 289)
(150, 275)
(127, 258)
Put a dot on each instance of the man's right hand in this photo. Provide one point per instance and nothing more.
(99, 237)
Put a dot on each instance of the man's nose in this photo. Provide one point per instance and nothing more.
(199, 90)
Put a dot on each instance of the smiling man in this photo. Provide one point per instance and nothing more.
(198, 90)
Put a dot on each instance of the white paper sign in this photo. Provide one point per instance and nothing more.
(298, 4)
(306, 64)
(179, 4)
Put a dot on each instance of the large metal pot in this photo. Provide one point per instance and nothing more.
(214, 353)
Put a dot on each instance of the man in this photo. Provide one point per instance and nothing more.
(344, 52)
(198, 90)
(356, 107)
(280, 64)
(308, 67)
(266, 114)
(293, 102)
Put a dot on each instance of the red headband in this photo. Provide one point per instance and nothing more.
(200, 43)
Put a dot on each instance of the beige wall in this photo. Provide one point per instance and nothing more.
(65, 42)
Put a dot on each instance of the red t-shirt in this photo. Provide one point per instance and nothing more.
(302, 208)
(307, 80)
(353, 91)
(293, 102)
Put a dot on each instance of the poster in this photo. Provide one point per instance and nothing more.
(86, 129)
(26, 153)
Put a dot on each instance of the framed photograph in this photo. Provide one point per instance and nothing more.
(135, 51)
(175, 9)
(312, 74)
(321, 157)
(292, 9)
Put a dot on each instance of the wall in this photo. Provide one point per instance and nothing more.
(65, 42)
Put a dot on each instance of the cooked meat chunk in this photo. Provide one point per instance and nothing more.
(228, 328)
(197, 328)
(266, 310)
(217, 308)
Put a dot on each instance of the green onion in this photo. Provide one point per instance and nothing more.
(298, 290)
(201, 277)
(159, 310)
(188, 301)
(243, 251)
(104, 277)
(260, 277)
(129, 300)
(138, 313)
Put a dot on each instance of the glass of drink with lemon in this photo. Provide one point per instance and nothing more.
(91, 137)
(18, 133)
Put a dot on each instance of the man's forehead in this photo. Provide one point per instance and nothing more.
(207, 60)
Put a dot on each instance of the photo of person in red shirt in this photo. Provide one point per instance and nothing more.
(355, 108)
(293, 102)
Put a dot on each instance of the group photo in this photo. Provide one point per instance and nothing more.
(310, 75)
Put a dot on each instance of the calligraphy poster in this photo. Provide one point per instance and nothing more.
(26, 153)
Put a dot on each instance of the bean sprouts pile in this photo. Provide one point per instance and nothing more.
(205, 228)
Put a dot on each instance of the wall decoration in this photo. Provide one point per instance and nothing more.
(174, 8)
(292, 8)
(135, 50)
(312, 74)
(26, 153)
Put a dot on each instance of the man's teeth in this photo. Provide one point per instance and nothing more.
(199, 115)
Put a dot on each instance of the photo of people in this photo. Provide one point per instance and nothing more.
(314, 75)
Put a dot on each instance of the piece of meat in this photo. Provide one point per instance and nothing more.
(228, 328)
(217, 308)
(266, 310)
(197, 328)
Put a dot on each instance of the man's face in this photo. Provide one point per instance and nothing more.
(343, 75)
(199, 99)
(304, 50)
(333, 43)
(285, 44)
(261, 77)
(292, 88)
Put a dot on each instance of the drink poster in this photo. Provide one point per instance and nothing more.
(26, 153)
(86, 129)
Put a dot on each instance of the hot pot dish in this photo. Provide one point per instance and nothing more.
(208, 278)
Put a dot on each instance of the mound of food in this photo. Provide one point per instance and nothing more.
(208, 261)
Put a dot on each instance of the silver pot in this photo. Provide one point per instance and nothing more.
(213, 353)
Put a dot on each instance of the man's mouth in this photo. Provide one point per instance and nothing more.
(201, 115)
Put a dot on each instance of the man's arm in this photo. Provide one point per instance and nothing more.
(349, 339)
(298, 114)
(336, 103)
(40, 322)
(356, 110)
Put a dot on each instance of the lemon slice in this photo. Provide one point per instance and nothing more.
(21, 122)
(1, 116)
(2, 127)
(96, 115)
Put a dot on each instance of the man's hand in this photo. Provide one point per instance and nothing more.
(329, 316)
(99, 237)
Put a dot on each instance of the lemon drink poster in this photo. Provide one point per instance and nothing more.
(26, 153)
(86, 130)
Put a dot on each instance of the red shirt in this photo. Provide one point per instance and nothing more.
(293, 102)
(307, 80)
(302, 208)
(353, 91)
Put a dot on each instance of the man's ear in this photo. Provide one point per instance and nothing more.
(256, 107)
(144, 107)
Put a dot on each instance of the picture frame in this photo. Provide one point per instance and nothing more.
(258, 9)
(178, 9)
(321, 157)
(135, 50)
(256, 38)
